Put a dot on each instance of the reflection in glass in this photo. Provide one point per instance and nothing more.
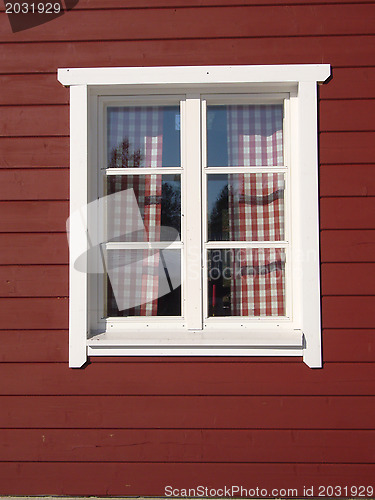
(143, 137)
(157, 202)
(245, 135)
(245, 207)
(246, 282)
(143, 282)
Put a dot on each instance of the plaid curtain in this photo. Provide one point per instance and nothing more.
(256, 209)
(135, 140)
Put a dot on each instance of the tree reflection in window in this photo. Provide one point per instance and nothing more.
(123, 157)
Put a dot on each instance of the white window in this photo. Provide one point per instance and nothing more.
(194, 211)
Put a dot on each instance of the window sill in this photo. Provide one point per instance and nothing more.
(138, 342)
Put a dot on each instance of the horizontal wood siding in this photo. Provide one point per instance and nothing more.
(181, 445)
(110, 478)
(252, 21)
(125, 426)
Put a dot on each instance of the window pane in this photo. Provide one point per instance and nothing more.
(143, 137)
(245, 135)
(246, 282)
(245, 207)
(152, 211)
(143, 282)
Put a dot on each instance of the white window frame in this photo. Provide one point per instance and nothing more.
(298, 336)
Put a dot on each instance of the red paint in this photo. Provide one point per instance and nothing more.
(170, 23)
(129, 426)
(182, 412)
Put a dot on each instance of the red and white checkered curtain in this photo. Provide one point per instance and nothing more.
(256, 209)
(135, 140)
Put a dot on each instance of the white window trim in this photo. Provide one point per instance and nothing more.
(264, 338)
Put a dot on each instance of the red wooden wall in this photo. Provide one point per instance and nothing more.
(132, 426)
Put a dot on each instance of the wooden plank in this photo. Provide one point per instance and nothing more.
(33, 216)
(34, 313)
(347, 147)
(31, 121)
(147, 4)
(347, 246)
(349, 83)
(347, 180)
(335, 148)
(188, 378)
(27, 152)
(346, 83)
(32, 89)
(205, 22)
(348, 312)
(340, 345)
(347, 213)
(348, 279)
(123, 479)
(197, 446)
(350, 115)
(34, 281)
(186, 412)
(34, 184)
(337, 51)
(348, 345)
(47, 248)
(34, 345)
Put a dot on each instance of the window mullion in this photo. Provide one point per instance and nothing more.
(192, 215)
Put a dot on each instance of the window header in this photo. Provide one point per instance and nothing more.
(195, 75)
(92, 89)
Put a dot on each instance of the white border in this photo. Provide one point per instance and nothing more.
(304, 154)
(78, 244)
(187, 75)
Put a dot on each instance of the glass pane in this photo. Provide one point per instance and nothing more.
(246, 282)
(143, 282)
(245, 135)
(143, 207)
(245, 207)
(143, 137)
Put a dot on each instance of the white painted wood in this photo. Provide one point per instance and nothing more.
(140, 100)
(194, 74)
(78, 244)
(121, 245)
(210, 338)
(138, 91)
(295, 202)
(288, 222)
(308, 231)
(143, 171)
(217, 324)
(204, 208)
(192, 351)
(245, 169)
(191, 144)
(218, 99)
(246, 244)
(221, 336)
